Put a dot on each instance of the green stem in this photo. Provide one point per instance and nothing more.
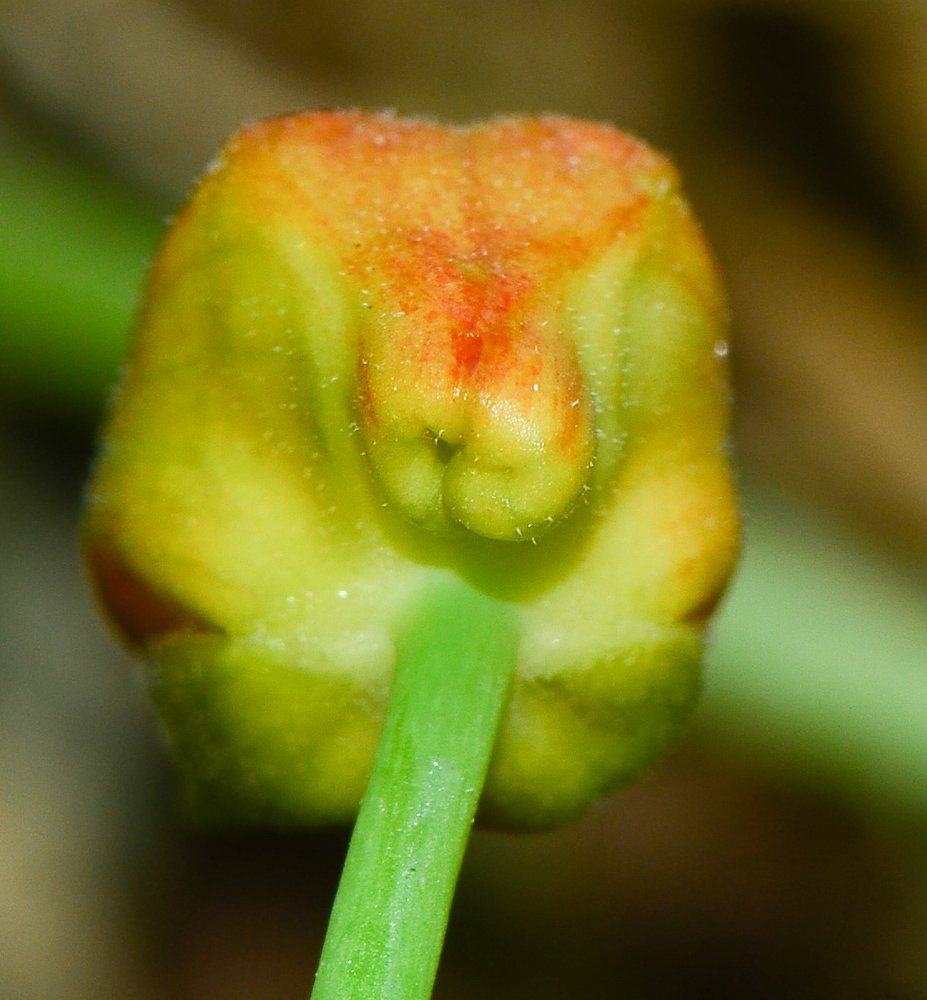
(74, 246)
(452, 677)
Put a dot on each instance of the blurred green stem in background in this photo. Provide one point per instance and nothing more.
(818, 666)
(73, 248)
(818, 662)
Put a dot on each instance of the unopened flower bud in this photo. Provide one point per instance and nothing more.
(374, 351)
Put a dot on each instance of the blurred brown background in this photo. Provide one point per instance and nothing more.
(801, 130)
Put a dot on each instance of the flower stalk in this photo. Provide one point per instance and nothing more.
(454, 668)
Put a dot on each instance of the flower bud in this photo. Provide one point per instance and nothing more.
(374, 351)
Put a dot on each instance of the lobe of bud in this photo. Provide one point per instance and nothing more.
(474, 410)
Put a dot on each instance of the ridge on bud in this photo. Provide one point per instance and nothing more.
(373, 351)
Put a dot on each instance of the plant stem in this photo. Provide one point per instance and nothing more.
(74, 246)
(387, 926)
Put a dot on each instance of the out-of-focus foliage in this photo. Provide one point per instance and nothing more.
(801, 131)
(72, 253)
